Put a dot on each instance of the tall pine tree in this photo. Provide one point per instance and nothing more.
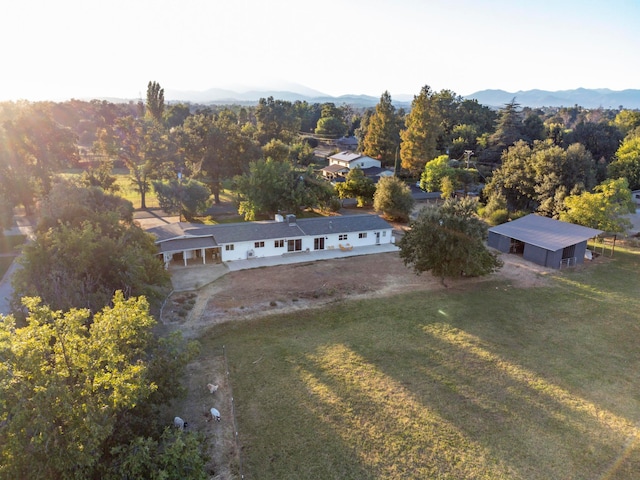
(419, 138)
(155, 101)
(383, 133)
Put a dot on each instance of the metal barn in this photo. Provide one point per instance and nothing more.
(543, 240)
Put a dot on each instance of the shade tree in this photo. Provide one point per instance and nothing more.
(627, 160)
(72, 203)
(215, 147)
(356, 185)
(600, 138)
(65, 377)
(449, 242)
(34, 148)
(276, 120)
(627, 120)
(331, 123)
(185, 197)
(537, 177)
(144, 146)
(606, 208)
(272, 186)
(86, 247)
(434, 171)
(393, 199)
(80, 394)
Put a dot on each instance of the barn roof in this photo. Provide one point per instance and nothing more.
(545, 232)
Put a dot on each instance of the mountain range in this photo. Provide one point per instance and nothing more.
(583, 97)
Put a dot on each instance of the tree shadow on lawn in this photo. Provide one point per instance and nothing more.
(464, 412)
(476, 383)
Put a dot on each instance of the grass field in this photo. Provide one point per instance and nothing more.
(128, 191)
(489, 382)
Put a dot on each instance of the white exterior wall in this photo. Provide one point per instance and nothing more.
(353, 239)
(365, 162)
(332, 241)
(241, 250)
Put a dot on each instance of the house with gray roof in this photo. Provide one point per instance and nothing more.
(543, 240)
(283, 236)
(341, 163)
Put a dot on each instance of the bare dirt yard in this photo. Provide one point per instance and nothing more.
(249, 294)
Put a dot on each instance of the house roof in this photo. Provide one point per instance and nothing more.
(335, 168)
(191, 243)
(342, 224)
(377, 172)
(545, 232)
(168, 231)
(347, 141)
(188, 236)
(346, 156)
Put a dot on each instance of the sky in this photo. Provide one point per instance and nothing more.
(61, 49)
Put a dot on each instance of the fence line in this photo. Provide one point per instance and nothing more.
(233, 412)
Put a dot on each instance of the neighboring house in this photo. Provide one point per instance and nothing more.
(352, 160)
(285, 235)
(543, 240)
(341, 163)
(635, 196)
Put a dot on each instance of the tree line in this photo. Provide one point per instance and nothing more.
(211, 144)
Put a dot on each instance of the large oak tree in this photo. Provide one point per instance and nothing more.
(448, 241)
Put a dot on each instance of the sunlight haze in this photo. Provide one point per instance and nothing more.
(88, 49)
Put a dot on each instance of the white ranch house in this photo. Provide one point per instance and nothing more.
(283, 236)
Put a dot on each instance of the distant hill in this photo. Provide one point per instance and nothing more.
(293, 92)
(583, 97)
(249, 95)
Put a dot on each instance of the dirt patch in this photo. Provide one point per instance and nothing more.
(247, 294)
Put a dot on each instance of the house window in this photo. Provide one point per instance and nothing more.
(258, 244)
(384, 233)
(278, 244)
(342, 236)
(362, 235)
(228, 247)
(294, 245)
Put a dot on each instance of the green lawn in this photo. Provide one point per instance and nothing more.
(489, 382)
(128, 191)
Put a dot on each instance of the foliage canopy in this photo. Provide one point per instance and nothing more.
(448, 241)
